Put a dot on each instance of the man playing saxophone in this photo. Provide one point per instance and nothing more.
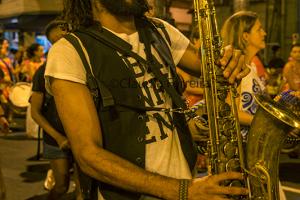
(132, 151)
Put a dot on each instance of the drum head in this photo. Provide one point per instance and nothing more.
(19, 94)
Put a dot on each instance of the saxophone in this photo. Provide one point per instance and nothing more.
(259, 159)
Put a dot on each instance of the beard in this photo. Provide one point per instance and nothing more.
(123, 8)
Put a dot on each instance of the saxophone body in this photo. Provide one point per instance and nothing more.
(269, 130)
(225, 150)
(259, 158)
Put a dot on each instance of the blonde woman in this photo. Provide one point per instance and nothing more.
(244, 31)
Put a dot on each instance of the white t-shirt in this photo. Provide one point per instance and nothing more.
(163, 150)
(250, 86)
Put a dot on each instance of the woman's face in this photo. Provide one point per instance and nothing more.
(4, 48)
(40, 52)
(295, 53)
(255, 40)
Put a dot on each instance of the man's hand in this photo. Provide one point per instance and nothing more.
(234, 65)
(209, 188)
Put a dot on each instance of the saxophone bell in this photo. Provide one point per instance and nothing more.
(269, 129)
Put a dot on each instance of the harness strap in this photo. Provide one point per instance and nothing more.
(96, 87)
(154, 65)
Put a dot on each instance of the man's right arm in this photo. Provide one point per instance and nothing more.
(78, 114)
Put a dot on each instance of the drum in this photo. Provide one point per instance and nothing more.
(19, 95)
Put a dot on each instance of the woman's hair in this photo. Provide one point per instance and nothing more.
(31, 49)
(78, 13)
(234, 27)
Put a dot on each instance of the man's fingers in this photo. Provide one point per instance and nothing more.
(245, 69)
(226, 176)
(231, 66)
(228, 51)
(230, 190)
(237, 70)
(243, 73)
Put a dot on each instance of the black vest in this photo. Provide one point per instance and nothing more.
(124, 125)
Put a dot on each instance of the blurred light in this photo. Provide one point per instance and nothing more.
(14, 20)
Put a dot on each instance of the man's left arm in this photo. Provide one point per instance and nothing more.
(232, 62)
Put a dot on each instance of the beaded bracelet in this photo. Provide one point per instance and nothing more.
(183, 189)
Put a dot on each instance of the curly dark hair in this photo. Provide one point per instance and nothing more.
(78, 13)
(31, 49)
(55, 24)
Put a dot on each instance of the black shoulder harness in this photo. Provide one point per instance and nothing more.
(152, 37)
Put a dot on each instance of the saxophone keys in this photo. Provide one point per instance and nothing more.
(233, 165)
(230, 150)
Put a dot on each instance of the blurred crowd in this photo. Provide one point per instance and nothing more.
(16, 70)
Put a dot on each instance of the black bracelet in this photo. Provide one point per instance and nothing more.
(183, 189)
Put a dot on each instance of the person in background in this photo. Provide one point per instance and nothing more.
(17, 61)
(291, 84)
(35, 59)
(4, 124)
(7, 69)
(193, 91)
(276, 62)
(274, 69)
(3, 121)
(193, 95)
(2, 186)
(292, 77)
(291, 71)
(43, 110)
(250, 39)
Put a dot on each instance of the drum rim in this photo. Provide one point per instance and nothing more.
(10, 93)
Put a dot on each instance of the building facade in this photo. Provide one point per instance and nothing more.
(281, 18)
(22, 20)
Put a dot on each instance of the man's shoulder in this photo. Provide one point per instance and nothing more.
(61, 45)
(61, 50)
